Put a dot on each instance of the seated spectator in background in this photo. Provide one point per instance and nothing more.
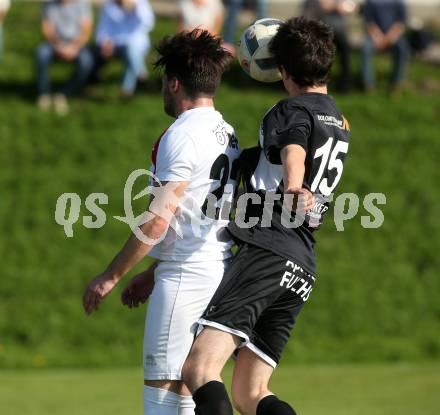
(67, 26)
(4, 7)
(123, 32)
(234, 7)
(334, 12)
(202, 14)
(386, 24)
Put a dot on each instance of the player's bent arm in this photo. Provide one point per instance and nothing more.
(160, 213)
(293, 157)
(161, 210)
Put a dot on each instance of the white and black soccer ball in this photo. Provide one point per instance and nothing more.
(253, 50)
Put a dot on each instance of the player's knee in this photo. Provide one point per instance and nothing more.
(246, 401)
(197, 371)
(191, 371)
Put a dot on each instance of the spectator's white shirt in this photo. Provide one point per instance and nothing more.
(198, 149)
(200, 15)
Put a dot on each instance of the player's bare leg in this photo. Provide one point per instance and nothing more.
(202, 371)
(250, 381)
(250, 387)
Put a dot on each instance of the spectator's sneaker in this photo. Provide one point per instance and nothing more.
(60, 104)
(44, 102)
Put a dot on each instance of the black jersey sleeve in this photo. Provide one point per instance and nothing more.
(283, 125)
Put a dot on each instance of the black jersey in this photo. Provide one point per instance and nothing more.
(312, 121)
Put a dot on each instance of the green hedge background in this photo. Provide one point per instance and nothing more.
(377, 297)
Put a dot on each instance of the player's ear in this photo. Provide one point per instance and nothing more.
(175, 85)
(286, 75)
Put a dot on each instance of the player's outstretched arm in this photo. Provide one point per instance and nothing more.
(140, 287)
(139, 244)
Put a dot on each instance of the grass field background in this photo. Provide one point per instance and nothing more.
(368, 341)
(401, 389)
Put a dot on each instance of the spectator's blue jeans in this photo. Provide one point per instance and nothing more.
(44, 56)
(133, 54)
(400, 56)
(234, 7)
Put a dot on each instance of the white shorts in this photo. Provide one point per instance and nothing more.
(181, 294)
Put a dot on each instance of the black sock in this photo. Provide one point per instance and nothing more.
(271, 405)
(212, 399)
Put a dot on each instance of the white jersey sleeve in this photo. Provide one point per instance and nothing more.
(176, 157)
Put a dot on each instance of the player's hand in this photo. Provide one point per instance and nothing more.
(139, 289)
(304, 199)
(96, 291)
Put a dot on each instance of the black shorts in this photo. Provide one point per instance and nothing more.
(259, 299)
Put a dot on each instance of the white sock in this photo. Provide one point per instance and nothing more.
(187, 405)
(162, 402)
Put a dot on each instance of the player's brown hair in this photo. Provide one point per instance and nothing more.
(196, 58)
(305, 48)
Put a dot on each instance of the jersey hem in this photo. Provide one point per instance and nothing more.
(185, 258)
(289, 257)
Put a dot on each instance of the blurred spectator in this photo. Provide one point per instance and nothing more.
(67, 26)
(334, 12)
(123, 32)
(4, 7)
(386, 23)
(203, 14)
(234, 8)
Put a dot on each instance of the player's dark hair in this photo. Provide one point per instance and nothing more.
(196, 58)
(305, 48)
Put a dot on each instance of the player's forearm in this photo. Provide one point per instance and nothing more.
(155, 224)
(135, 250)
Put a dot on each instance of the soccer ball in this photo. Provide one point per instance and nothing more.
(253, 50)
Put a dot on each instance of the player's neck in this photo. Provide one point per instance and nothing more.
(296, 90)
(190, 104)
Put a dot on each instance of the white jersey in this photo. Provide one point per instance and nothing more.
(201, 149)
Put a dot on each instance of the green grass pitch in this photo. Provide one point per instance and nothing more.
(404, 389)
